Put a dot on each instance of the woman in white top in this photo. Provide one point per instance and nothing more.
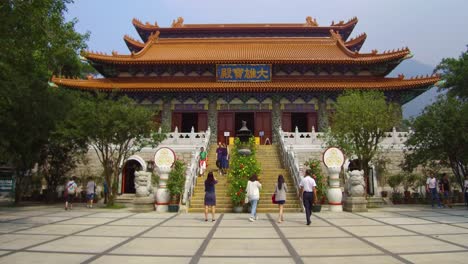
(253, 192)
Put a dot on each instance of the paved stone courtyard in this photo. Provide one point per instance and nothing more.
(48, 234)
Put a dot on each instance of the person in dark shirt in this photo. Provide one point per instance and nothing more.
(210, 196)
(445, 189)
(219, 152)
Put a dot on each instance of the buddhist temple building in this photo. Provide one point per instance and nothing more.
(270, 75)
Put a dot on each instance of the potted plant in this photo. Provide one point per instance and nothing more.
(408, 182)
(175, 185)
(316, 170)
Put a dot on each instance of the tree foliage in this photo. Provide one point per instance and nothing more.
(454, 72)
(359, 124)
(440, 135)
(114, 127)
(36, 42)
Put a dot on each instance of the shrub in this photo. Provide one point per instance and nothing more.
(320, 179)
(176, 181)
(240, 169)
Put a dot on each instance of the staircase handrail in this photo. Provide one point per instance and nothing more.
(289, 160)
(191, 174)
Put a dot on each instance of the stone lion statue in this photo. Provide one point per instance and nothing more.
(355, 183)
(143, 186)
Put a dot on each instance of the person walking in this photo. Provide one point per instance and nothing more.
(224, 158)
(465, 191)
(106, 191)
(253, 193)
(219, 153)
(203, 160)
(280, 196)
(210, 196)
(90, 192)
(70, 189)
(431, 187)
(308, 192)
(446, 190)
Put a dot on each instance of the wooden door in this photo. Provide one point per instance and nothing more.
(202, 122)
(312, 121)
(225, 124)
(286, 122)
(263, 123)
(176, 121)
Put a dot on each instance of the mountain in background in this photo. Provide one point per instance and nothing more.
(410, 68)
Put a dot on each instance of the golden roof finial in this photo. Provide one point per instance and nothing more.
(311, 22)
(178, 23)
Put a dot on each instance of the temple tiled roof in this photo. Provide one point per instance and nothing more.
(247, 50)
(356, 43)
(278, 85)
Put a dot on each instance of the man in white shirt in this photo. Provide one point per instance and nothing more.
(308, 192)
(431, 187)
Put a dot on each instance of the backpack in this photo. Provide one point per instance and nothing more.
(71, 188)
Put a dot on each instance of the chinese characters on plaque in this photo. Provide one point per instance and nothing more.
(243, 72)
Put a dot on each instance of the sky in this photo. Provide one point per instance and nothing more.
(432, 29)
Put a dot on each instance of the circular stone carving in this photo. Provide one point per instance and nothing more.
(333, 157)
(164, 157)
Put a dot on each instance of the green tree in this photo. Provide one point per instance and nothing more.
(359, 124)
(36, 42)
(454, 72)
(440, 134)
(115, 128)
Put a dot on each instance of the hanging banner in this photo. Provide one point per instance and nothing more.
(243, 72)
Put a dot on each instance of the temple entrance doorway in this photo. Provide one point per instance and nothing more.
(189, 120)
(257, 122)
(299, 120)
(304, 121)
(184, 121)
(128, 176)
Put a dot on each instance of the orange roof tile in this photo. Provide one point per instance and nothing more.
(246, 50)
(280, 85)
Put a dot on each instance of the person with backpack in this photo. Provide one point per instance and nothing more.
(90, 192)
(70, 189)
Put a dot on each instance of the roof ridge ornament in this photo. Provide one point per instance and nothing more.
(154, 37)
(178, 23)
(311, 22)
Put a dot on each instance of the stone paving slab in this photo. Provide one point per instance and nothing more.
(436, 229)
(412, 244)
(250, 260)
(141, 260)
(329, 246)
(109, 230)
(137, 221)
(366, 231)
(448, 219)
(160, 246)
(405, 221)
(246, 247)
(87, 221)
(450, 257)
(17, 241)
(55, 229)
(313, 232)
(11, 227)
(43, 258)
(80, 244)
(354, 222)
(352, 259)
(245, 233)
(457, 239)
(189, 232)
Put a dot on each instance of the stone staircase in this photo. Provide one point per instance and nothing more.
(223, 201)
(269, 160)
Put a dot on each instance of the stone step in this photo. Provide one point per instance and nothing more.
(259, 210)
